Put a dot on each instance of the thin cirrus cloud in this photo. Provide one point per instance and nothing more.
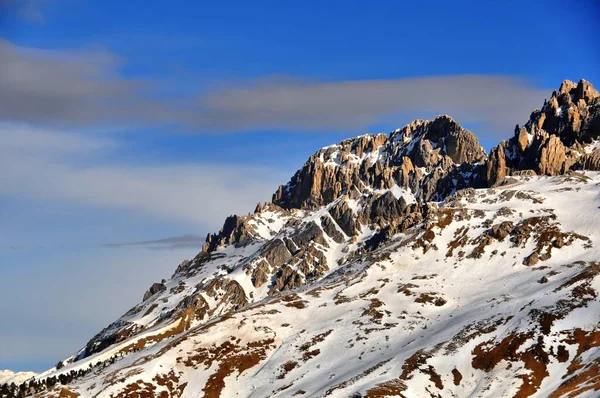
(170, 243)
(76, 88)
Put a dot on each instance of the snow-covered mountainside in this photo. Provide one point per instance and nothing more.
(9, 377)
(409, 264)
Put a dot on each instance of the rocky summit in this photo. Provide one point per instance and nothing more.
(409, 264)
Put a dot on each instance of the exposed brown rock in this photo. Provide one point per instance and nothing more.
(532, 259)
(552, 140)
(155, 288)
(591, 161)
(260, 274)
(522, 140)
(440, 143)
(552, 157)
(234, 231)
(383, 209)
(406, 173)
(462, 146)
(525, 173)
(496, 167)
(230, 293)
(286, 279)
(197, 303)
(586, 91)
(502, 230)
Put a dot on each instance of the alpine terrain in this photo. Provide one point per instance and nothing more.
(409, 264)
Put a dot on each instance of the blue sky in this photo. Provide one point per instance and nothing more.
(128, 122)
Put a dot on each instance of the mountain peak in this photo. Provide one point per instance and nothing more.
(407, 158)
(555, 139)
(583, 90)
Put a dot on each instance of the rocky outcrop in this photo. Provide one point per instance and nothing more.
(552, 157)
(276, 253)
(197, 303)
(260, 273)
(240, 230)
(235, 230)
(552, 142)
(331, 229)
(229, 294)
(496, 166)
(309, 232)
(502, 230)
(382, 209)
(461, 145)
(405, 159)
(344, 217)
(522, 140)
(286, 279)
(155, 288)
(591, 161)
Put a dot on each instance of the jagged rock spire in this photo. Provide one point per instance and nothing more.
(552, 141)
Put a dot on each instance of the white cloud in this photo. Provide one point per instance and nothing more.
(50, 165)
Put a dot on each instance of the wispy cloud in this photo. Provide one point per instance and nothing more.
(70, 87)
(47, 164)
(87, 87)
(170, 243)
(496, 101)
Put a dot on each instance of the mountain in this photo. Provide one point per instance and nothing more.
(411, 264)
(8, 376)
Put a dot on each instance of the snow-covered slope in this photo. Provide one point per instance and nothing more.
(8, 376)
(402, 265)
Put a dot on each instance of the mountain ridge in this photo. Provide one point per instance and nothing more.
(356, 209)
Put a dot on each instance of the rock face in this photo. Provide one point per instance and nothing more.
(239, 230)
(591, 161)
(155, 288)
(383, 209)
(552, 157)
(406, 158)
(407, 216)
(496, 166)
(344, 218)
(552, 141)
(502, 230)
(234, 230)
